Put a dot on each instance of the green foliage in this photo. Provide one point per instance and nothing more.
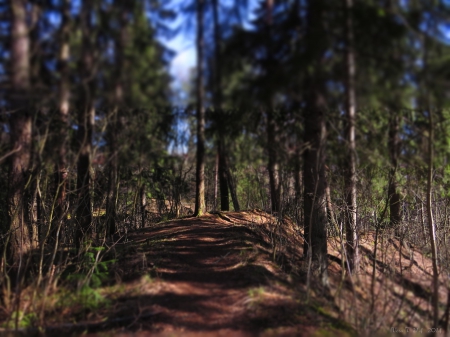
(82, 301)
(93, 271)
(23, 320)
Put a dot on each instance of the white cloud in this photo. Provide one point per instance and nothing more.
(182, 63)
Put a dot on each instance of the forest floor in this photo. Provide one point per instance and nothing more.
(243, 274)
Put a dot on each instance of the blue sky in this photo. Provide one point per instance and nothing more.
(184, 46)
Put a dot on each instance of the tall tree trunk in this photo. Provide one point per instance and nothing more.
(113, 127)
(200, 206)
(352, 245)
(221, 147)
(314, 182)
(216, 180)
(20, 129)
(314, 157)
(111, 201)
(217, 62)
(298, 185)
(394, 152)
(86, 116)
(223, 179)
(31, 195)
(60, 177)
(232, 187)
(431, 225)
(272, 167)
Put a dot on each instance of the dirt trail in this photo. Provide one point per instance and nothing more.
(209, 276)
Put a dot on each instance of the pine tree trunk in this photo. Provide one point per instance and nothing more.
(86, 116)
(352, 245)
(33, 213)
(431, 224)
(314, 157)
(217, 96)
(20, 130)
(426, 81)
(315, 212)
(60, 176)
(272, 167)
(111, 200)
(113, 126)
(223, 179)
(232, 187)
(216, 180)
(297, 185)
(200, 206)
(217, 62)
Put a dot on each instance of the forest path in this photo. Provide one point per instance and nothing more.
(207, 276)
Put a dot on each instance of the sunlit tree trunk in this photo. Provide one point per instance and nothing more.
(86, 114)
(200, 206)
(60, 177)
(351, 230)
(314, 157)
(20, 130)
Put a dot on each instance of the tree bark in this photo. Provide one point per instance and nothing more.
(217, 62)
(352, 245)
(31, 195)
(217, 97)
(20, 129)
(111, 201)
(298, 185)
(200, 206)
(60, 176)
(314, 157)
(216, 180)
(431, 225)
(272, 167)
(113, 127)
(232, 187)
(223, 179)
(315, 212)
(86, 116)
